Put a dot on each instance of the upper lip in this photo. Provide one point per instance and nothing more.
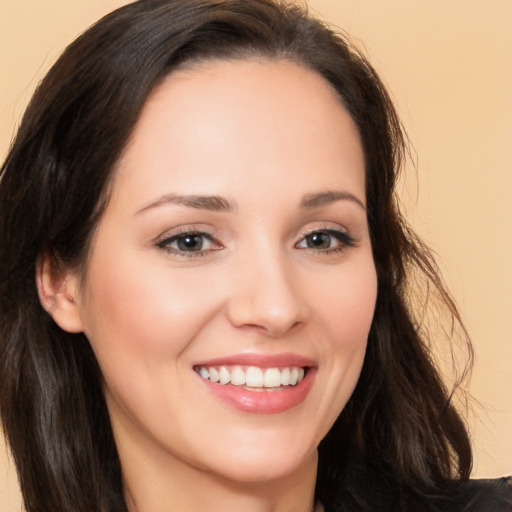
(260, 360)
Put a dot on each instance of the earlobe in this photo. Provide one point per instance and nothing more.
(58, 293)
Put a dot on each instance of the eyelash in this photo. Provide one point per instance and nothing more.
(181, 236)
(345, 241)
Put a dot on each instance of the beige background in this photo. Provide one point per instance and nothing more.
(448, 64)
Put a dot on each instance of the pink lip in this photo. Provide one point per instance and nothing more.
(264, 401)
(260, 360)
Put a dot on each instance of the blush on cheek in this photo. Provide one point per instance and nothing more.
(350, 307)
(153, 313)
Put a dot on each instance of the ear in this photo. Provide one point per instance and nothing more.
(59, 293)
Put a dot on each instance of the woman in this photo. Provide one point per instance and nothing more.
(206, 282)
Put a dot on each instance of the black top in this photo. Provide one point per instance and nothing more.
(487, 495)
(484, 495)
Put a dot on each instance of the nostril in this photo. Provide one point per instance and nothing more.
(266, 301)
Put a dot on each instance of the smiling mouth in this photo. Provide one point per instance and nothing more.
(253, 377)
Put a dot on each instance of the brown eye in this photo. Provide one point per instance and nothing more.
(190, 243)
(318, 241)
(326, 240)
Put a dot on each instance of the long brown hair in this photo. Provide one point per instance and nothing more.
(399, 439)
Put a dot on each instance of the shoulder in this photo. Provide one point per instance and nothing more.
(487, 495)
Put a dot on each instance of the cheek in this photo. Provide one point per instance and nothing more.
(345, 311)
(348, 304)
(140, 320)
(134, 311)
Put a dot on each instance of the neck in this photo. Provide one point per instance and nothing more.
(160, 483)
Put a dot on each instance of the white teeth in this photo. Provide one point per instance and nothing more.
(237, 376)
(224, 375)
(272, 378)
(253, 376)
(214, 375)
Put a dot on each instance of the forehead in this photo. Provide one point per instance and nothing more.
(246, 116)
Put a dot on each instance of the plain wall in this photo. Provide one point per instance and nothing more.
(448, 66)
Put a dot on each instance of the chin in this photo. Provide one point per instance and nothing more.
(264, 467)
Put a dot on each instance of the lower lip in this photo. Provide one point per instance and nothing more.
(262, 402)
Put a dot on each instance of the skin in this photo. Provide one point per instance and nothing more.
(263, 135)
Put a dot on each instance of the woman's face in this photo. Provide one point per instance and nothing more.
(235, 247)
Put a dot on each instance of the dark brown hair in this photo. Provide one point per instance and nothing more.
(398, 441)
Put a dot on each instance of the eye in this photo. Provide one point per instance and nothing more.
(326, 240)
(189, 243)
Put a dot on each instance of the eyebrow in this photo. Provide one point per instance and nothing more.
(220, 204)
(329, 196)
(200, 202)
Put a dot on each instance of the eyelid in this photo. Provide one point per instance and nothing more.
(342, 235)
(182, 230)
(339, 233)
(164, 242)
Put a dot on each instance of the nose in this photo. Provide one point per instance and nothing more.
(266, 296)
